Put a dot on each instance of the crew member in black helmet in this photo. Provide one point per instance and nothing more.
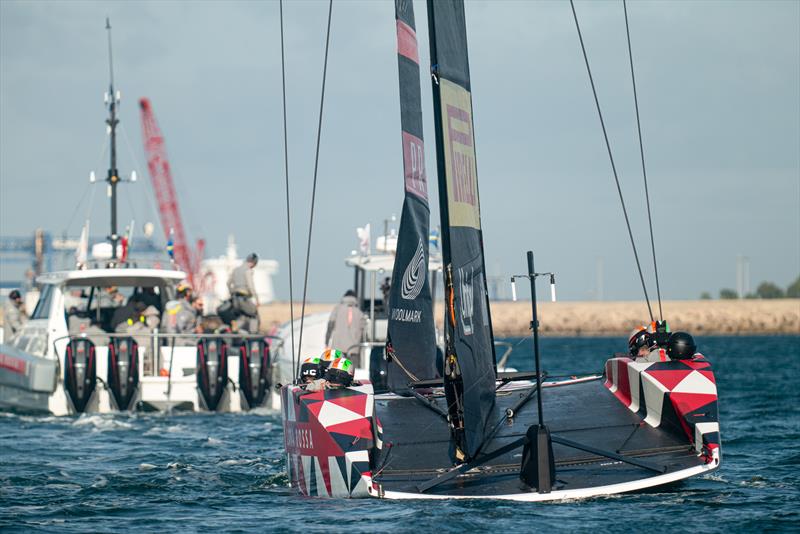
(681, 346)
(309, 370)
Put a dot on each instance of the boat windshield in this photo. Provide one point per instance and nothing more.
(108, 306)
(42, 310)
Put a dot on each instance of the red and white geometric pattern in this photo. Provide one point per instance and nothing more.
(681, 394)
(331, 437)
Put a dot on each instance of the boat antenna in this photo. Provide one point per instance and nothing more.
(288, 213)
(112, 99)
(314, 187)
(641, 153)
(611, 158)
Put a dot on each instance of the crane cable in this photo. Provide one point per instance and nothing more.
(286, 169)
(641, 153)
(314, 186)
(611, 158)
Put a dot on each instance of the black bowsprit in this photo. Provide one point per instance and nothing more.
(212, 370)
(123, 371)
(80, 372)
(254, 362)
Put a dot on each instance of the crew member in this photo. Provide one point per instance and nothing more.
(681, 346)
(346, 325)
(243, 293)
(179, 315)
(148, 296)
(640, 342)
(309, 370)
(340, 373)
(327, 357)
(110, 297)
(135, 317)
(14, 315)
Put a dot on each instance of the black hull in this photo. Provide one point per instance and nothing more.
(586, 413)
(643, 425)
(80, 373)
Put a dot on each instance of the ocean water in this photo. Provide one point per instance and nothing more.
(117, 473)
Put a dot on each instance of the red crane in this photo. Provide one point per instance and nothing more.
(164, 187)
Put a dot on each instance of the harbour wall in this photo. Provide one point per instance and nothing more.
(510, 319)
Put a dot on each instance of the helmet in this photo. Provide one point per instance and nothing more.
(252, 258)
(638, 338)
(310, 369)
(14, 295)
(681, 346)
(327, 358)
(341, 371)
(183, 288)
(659, 332)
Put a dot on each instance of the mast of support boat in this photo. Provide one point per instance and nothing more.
(112, 99)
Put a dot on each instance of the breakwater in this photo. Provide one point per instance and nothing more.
(732, 317)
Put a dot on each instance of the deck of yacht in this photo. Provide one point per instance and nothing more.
(416, 447)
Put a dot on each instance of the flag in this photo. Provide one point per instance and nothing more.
(82, 252)
(364, 240)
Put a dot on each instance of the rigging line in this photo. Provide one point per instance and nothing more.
(314, 186)
(611, 158)
(641, 153)
(288, 216)
(77, 207)
(150, 202)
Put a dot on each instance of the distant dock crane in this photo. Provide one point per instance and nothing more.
(164, 187)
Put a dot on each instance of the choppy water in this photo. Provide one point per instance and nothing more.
(226, 472)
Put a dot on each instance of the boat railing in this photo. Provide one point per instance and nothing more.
(132, 264)
(369, 345)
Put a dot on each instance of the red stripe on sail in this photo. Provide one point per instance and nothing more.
(407, 41)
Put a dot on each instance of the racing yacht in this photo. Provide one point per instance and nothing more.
(461, 428)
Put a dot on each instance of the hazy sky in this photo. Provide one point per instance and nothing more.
(719, 89)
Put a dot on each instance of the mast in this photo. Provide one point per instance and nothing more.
(411, 343)
(112, 99)
(470, 368)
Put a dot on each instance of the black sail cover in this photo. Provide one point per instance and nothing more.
(470, 368)
(411, 328)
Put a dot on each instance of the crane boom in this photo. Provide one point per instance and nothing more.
(161, 178)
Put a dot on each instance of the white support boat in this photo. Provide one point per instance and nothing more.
(70, 357)
(38, 367)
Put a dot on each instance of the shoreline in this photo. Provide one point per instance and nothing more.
(608, 318)
(614, 318)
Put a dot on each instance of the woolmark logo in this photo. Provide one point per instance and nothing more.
(467, 300)
(414, 277)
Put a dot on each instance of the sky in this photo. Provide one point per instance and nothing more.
(719, 97)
